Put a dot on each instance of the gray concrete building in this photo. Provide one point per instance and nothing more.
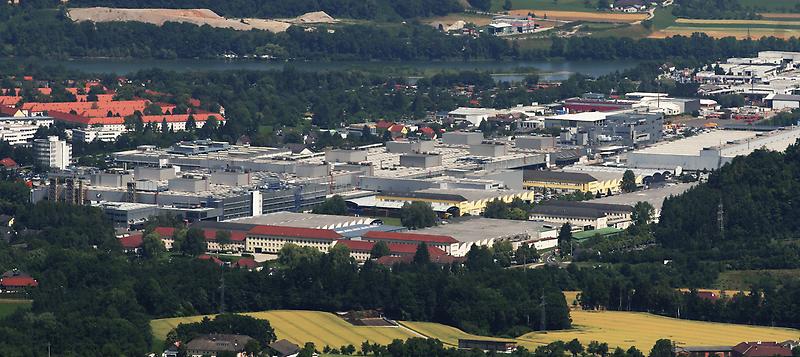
(338, 155)
(462, 138)
(535, 142)
(421, 160)
(409, 147)
(489, 149)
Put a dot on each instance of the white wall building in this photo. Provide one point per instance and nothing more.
(106, 133)
(16, 134)
(52, 152)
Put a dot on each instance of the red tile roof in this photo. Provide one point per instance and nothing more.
(397, 128)
(411, 249)
(248, 263)
(427, 131)
(6, 110)
(383, 124)
(394, 248)
(9, 99)
(409, 237)
(19, 281)
(132, 241)
(8, 162)
(120, 107)
(356, 245)
(295, 232)
(210, 258)
(236, 236)
(165, 232)
(761, 349)
(438, 259)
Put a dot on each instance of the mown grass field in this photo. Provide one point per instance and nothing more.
(625, 329)
(322, 328)
(9, 306)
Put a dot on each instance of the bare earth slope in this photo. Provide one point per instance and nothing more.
(198, 17)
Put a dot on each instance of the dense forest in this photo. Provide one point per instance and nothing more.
(756, 196)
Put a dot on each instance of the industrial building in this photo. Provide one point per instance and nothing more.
(476, 230)
(654, 196)
(535, 142)
(710, 150)
(583, 216)
(603, 183)
(454, 202)
(782, 101)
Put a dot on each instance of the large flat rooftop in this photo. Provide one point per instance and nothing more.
(653, 196)
(473, 229)
(694, 144)
(304, 220)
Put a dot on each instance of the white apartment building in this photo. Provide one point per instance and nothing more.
(107, 133)
(17, 134)
(52, 152)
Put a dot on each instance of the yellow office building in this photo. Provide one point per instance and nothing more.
(562, 181)
(455, 202)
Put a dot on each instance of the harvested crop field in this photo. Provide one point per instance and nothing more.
(717, 32)
(300, 327)
(617, 328)
(447, 334)
(582, 15)
(625, 329)
(779, 15)
(744, 23)
(198, 17)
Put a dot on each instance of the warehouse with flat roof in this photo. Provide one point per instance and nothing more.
(710, 150)
(476, 230)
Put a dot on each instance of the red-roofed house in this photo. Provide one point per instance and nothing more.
(247, 263)
(132, 243)
(212, 259)
(166, 234)
(414, 239)
(9, 111)
(361, 250)
(427, 132)
(760, 349)
(383, 124)
(16, 281)
(8, 163)
(237, 243)
(398, 130)
(10, 100)
(270, 239)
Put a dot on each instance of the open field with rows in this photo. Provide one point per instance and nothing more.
(617, 328)
(300, 327)
(780, 25)
(627, 329)
(581, 15)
